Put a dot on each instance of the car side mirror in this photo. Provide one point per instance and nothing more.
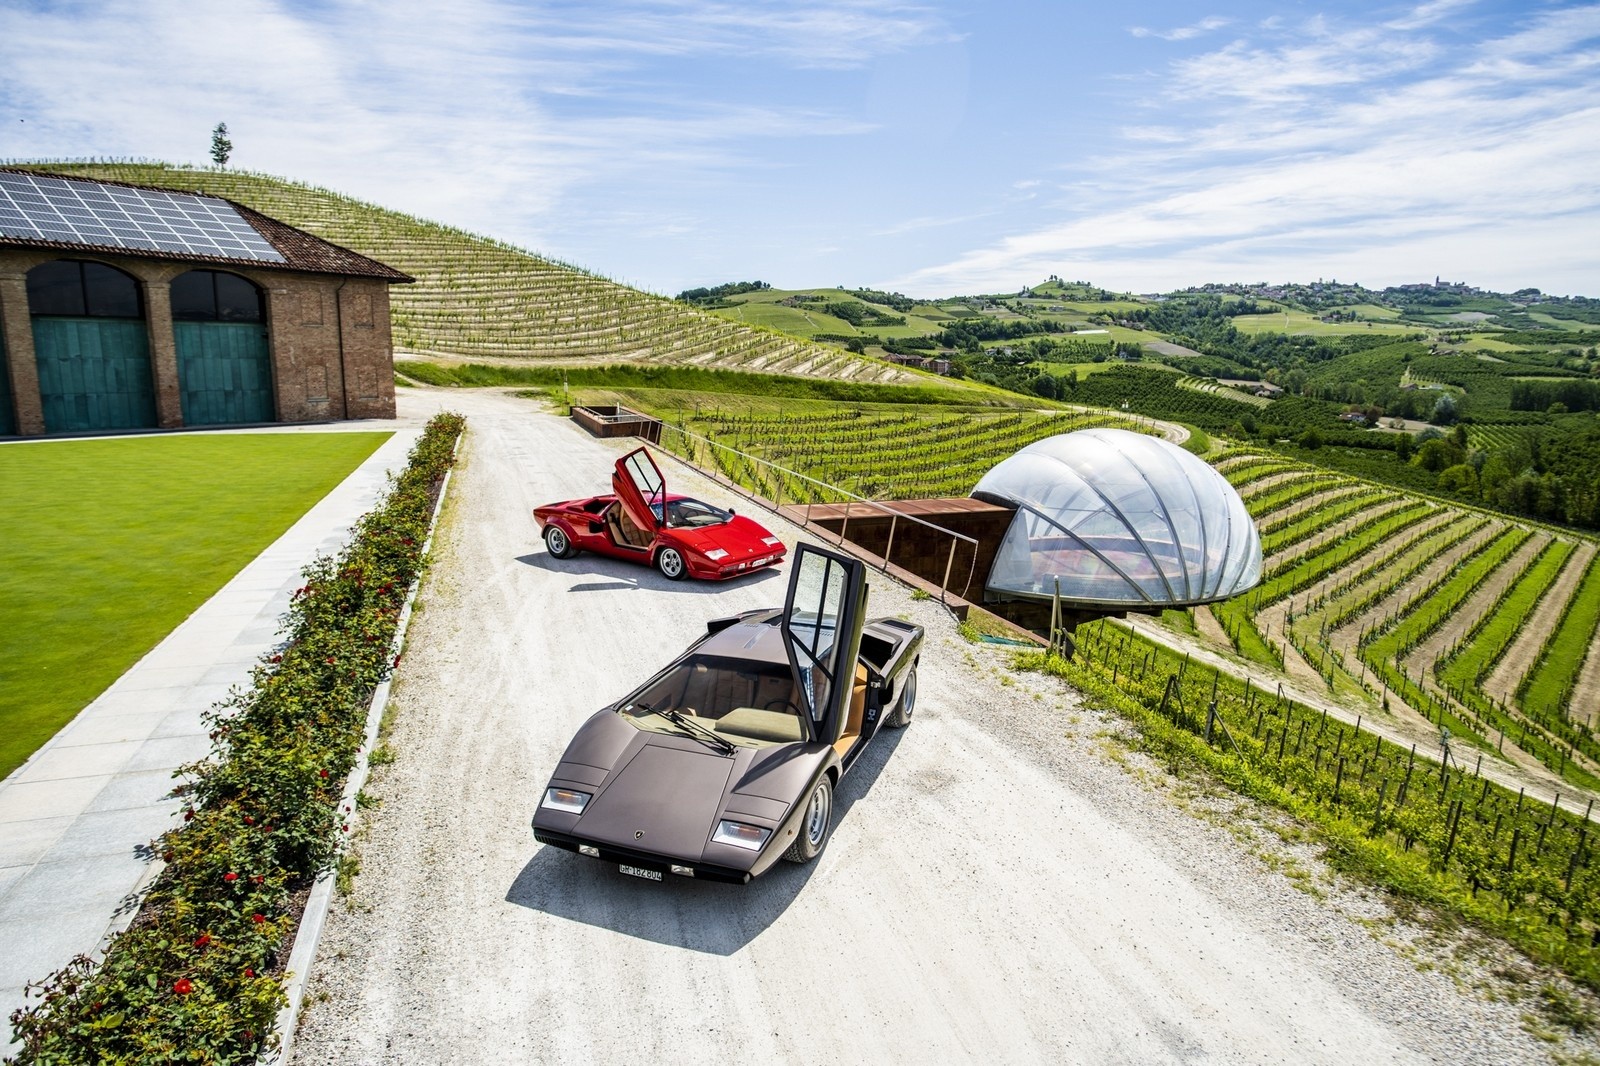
(731, 511)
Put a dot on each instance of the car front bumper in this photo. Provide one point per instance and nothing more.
(642, 859)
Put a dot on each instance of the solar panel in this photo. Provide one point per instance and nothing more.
(35, 207)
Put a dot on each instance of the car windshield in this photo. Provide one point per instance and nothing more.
(690, 513)
(751, 704)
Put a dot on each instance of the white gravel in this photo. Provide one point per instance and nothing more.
(1006, 881)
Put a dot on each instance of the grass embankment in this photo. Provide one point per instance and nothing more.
(1444, 838)
(106, 545)
(701, 380)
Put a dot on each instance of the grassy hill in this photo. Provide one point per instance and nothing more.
(480, 298)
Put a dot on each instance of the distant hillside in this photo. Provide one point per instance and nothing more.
(476, 297)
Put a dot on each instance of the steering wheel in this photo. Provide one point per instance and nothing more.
(784, 705)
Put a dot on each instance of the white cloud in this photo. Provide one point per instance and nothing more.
(1427, 14)
(1183, 33)
(527, 102)
(1357, 157)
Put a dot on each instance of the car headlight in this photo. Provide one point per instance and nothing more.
(771, 542)
(565, 799)
(750, 837)
(717, 553)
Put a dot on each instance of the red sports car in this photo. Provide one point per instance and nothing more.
(644, 523)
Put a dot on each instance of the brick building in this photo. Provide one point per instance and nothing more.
(126, 307)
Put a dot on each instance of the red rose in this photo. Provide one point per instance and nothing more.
(202, 940)
(330, 660)
(323, 774)
(257, 879)
(249, 973)
(188, 815)
(230, 877)
(257, 918)
(183, 986)
(249, 820)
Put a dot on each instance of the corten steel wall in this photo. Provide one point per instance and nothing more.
(331, 350)
(611, 421)
(919, 549)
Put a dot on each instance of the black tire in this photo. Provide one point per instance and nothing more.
(671, 564)
(900, 717)
(558, 543)
(815, 825)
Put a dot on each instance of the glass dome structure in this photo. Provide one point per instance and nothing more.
(1122, 519)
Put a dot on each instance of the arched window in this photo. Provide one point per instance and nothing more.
(213, 296)
(76, 288)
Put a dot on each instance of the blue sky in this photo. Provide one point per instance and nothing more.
(934, 148)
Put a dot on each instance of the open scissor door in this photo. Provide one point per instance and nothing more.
(638, 483)
(822, 618)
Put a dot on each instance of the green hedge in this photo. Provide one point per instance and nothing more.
(199, 976)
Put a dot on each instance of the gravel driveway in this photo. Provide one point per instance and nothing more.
(1005, 882)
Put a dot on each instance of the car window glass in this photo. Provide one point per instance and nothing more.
(813, 623)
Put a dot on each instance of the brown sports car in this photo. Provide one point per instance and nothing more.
(728, 758)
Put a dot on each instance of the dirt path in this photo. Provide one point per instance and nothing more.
(1261, 486)
(1326, 498)
(1438, 643)
(1589, 682)
(1210, 629)
(1501, 684)
(1344, 638)
(996, 889)
(1338, 530)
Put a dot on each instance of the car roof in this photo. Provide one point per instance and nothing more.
(756, 640)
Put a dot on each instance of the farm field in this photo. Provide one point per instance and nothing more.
(1397, 606)
(480, 298)
(106, 545)
(1305, 324)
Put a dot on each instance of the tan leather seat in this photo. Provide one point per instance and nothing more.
(754, 724)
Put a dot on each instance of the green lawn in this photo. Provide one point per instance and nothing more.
(106, 545)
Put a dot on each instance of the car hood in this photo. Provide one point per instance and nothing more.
(665, 793)
(740, 537)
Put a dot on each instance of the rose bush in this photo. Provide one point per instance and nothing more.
(197, 977)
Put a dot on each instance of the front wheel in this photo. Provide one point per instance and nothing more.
(560, 545)
(900, 717)
(670, 563)
(816, 824)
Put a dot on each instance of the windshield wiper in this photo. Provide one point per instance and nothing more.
(696, 730)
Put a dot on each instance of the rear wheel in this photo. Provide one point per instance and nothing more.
(560, 545)
(814, 827)
(670, 563)
(900, 717)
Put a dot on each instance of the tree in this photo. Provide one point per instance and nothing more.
(221, 147)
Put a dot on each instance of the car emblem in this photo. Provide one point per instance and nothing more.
(638, 834)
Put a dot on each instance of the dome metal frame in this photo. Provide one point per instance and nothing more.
(1120, 520)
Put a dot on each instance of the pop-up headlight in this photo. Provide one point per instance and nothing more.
(565, 799)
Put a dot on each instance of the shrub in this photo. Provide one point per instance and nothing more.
(198, 977)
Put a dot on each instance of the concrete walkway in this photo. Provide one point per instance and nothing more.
(76, 819)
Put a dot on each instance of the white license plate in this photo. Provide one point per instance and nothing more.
(648, 875)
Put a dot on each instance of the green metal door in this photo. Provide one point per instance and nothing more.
(94, 373)
(224, 372)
